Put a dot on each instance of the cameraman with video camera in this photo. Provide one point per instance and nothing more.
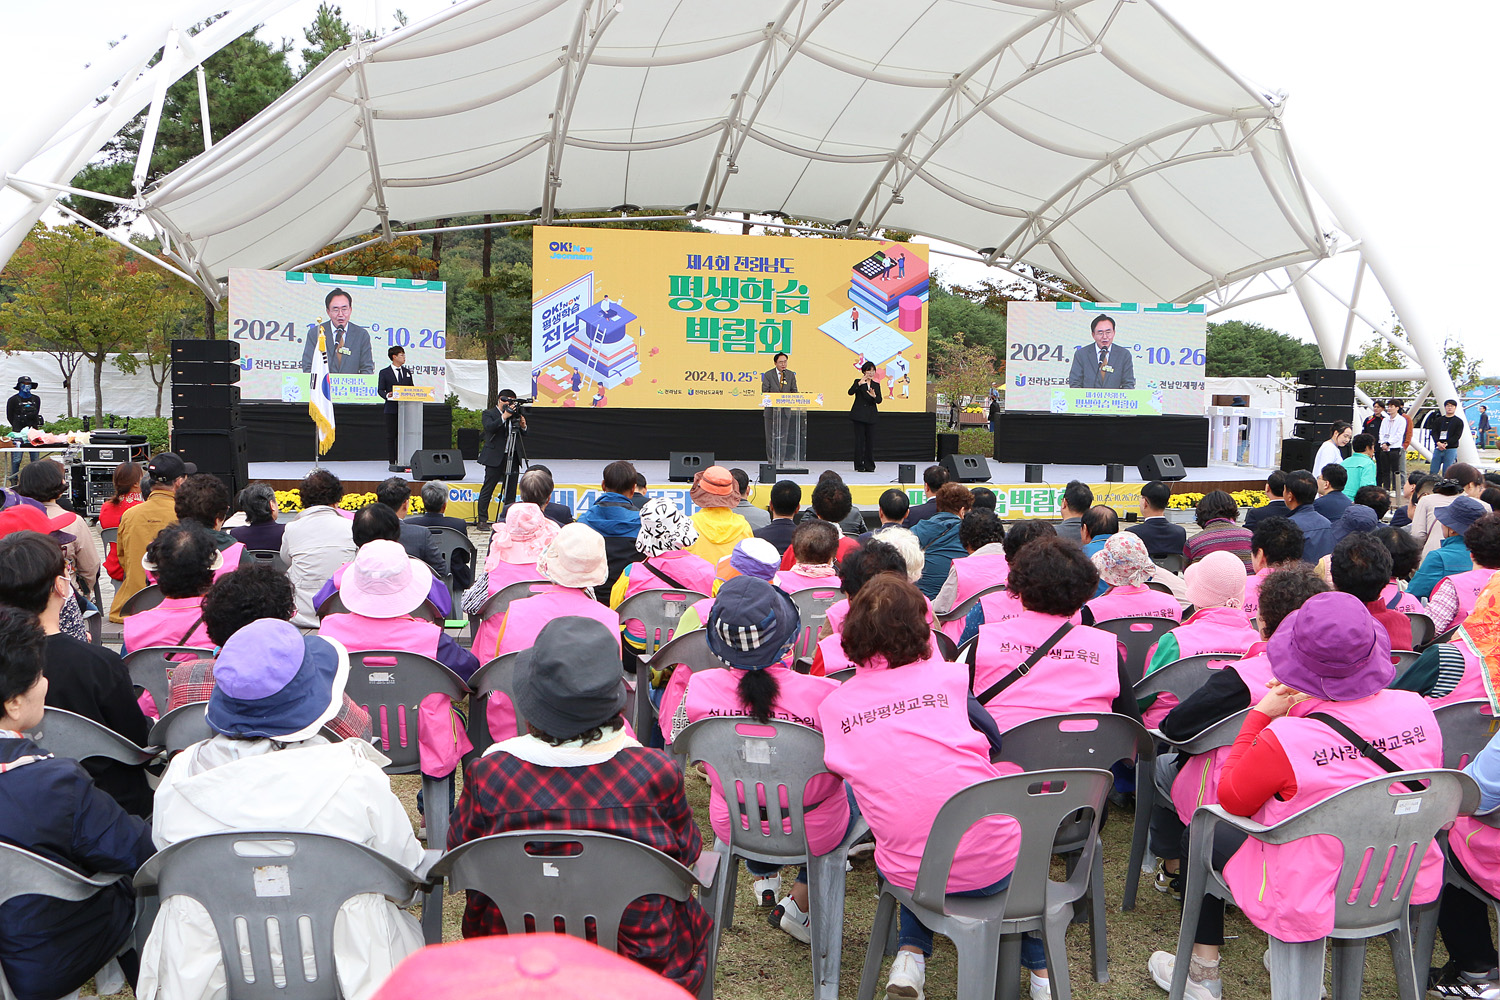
(504, 453)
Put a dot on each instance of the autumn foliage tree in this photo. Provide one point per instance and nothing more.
(958, 368)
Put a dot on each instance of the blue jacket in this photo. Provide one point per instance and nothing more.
(51, 947)
(613, 516)
(1451, 556)
(1317, 532)
(940, 546)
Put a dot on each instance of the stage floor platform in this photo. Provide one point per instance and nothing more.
(577, 480)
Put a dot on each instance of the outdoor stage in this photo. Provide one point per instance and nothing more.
(577, 481)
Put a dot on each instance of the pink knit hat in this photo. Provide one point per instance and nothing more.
(1216, 581)
(521, 537)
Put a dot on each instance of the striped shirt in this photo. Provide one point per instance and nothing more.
(1219, 535)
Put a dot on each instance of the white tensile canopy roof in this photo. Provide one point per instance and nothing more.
(1092, 138)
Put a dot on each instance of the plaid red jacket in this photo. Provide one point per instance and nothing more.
(193, 682)
(639, 794)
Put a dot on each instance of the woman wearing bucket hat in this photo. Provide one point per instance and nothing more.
(268, 769)
(1331, 666)
(515, 545)
(1124, 567)
(719, 527)
(753, 557)
(665, 535)
(902, 766)
(576, 768)
(752, 628)
(381, 589)
(1452, 554)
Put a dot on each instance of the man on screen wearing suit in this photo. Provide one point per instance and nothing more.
(348, 345)
(1102, 365)
(394, 374)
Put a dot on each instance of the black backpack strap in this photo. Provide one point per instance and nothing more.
(663, 574)
(1390, 766)
(1025, 665)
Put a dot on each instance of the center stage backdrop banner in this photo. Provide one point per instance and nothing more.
(628, 318)
(276, 317)
(1056, 362)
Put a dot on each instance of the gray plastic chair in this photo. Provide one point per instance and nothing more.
(496, 676)
(1423, 628)
(1369, 816)
(144, 599)
(68, 734)
(1137, 634)
(181, 728)
(264, 557)
(598, 882)
(1468, 727)
(1403, 659)
(333, 604)
(1220, 734)
(946, 647)
(764, 765)
(1093, 739)
(447, 541)
(986, 929)
(109, 536)
(235, 880)
(497, 603)
(842, 675)
(685, 649)
(812, 605)
(1172, 562)
(1159, 587)
(23, 873)
(1181, 677)
(659, 610)
(148, 668)
(961, 610)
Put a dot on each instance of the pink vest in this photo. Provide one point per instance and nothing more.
(1467, 586)
(918, 715)
(839, 610)
(167, 624)
(1197, 784)
(1079, 674)
(834, 657)
(1287, 890)
(526, 617)
(1471, 685)
(1251, 606)
(359, 633)
(979, 572)
(487, 635)
(232, 557)
(1212, 630)
(791, 581)
(1408, 603)
(713, 693)
(691, 571)
(504, 574)
(1133, 602)
(1000, 607)
(1477, 848)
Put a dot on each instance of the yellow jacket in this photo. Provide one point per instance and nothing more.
(720, 529)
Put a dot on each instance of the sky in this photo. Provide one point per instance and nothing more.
(1389, 100)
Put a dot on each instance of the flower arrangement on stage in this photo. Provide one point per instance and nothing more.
(290, 501)
(1244, 498)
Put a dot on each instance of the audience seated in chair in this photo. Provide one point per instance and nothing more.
(184, 559)
(831, 502)
(616, 518)
(261, 530)
(535, 487)
(86, 679)
(45, 482)
(904, 541)
(1329, 659)
(139, 524)
(875, 555)
(982, 535)
(1217, 516)
(248, 595)
(1275, 544)
(377, 522)
(945, 747)
(753, 557)
(939, 536)
(381, 589)
(716, 494)
(434, 501)
(515, 545)
(204, 500)
(51, 807)
(786, 500)
(1162, 537)
(395, 493)
(815, 546)
(576, 768)
(1361, 566)
(268, 769)
(317, 542)
(1454, 596)
(1124, 566)
(1005, 604)
(666, 564)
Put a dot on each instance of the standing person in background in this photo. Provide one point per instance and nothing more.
(127, 478)
(1331, 452)
(24, 409)
(1482, 427)
(501, 420)
(866, 393)
(394, 374)
(1362, 467)
(1389, 448)
(1447, 432)
(1371, 426)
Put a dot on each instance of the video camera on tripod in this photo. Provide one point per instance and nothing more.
(516, 405)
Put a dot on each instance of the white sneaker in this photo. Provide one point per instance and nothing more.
(766, 890)
(1163, 964)
(908, 977)
(1041, 988)
(789, 917)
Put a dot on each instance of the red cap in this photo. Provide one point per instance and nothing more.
(24, 517)
(524, 967)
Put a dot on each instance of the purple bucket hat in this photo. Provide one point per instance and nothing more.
(1332, 649)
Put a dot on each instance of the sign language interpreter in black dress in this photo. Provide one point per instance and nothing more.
(866, 393)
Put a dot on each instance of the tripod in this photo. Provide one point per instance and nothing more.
(515, 460)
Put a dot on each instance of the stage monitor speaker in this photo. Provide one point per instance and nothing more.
(687, 464)
(947, 444)
(1034, 474)
(906, 473)
(1326, 396)
(437, 463)
(224, 451)
(205, 373)
(1324, 414)
(1114, 473)
(470, 441)
(1167, 468)
(1297, 453)
(205, 350)
(767, 475)
(966, 468)
(1329, 378)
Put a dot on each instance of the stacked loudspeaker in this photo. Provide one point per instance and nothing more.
(1324, 396)
(206, 425)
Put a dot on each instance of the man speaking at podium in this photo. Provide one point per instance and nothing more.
(348, 345)
(1102, 365)
(396, 373)
(778, 379)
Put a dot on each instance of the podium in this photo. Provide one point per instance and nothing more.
(408, 400)
(786, 430)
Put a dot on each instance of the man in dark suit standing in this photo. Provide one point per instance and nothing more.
(394, 374)
(501, 420)
(1276, 507)
(1102, 365)
(348, 345)
(1162, 537)
(777, 379)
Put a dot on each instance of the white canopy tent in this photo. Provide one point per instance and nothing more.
(1092, 138)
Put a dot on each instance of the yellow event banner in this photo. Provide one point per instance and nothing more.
(628, 318)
